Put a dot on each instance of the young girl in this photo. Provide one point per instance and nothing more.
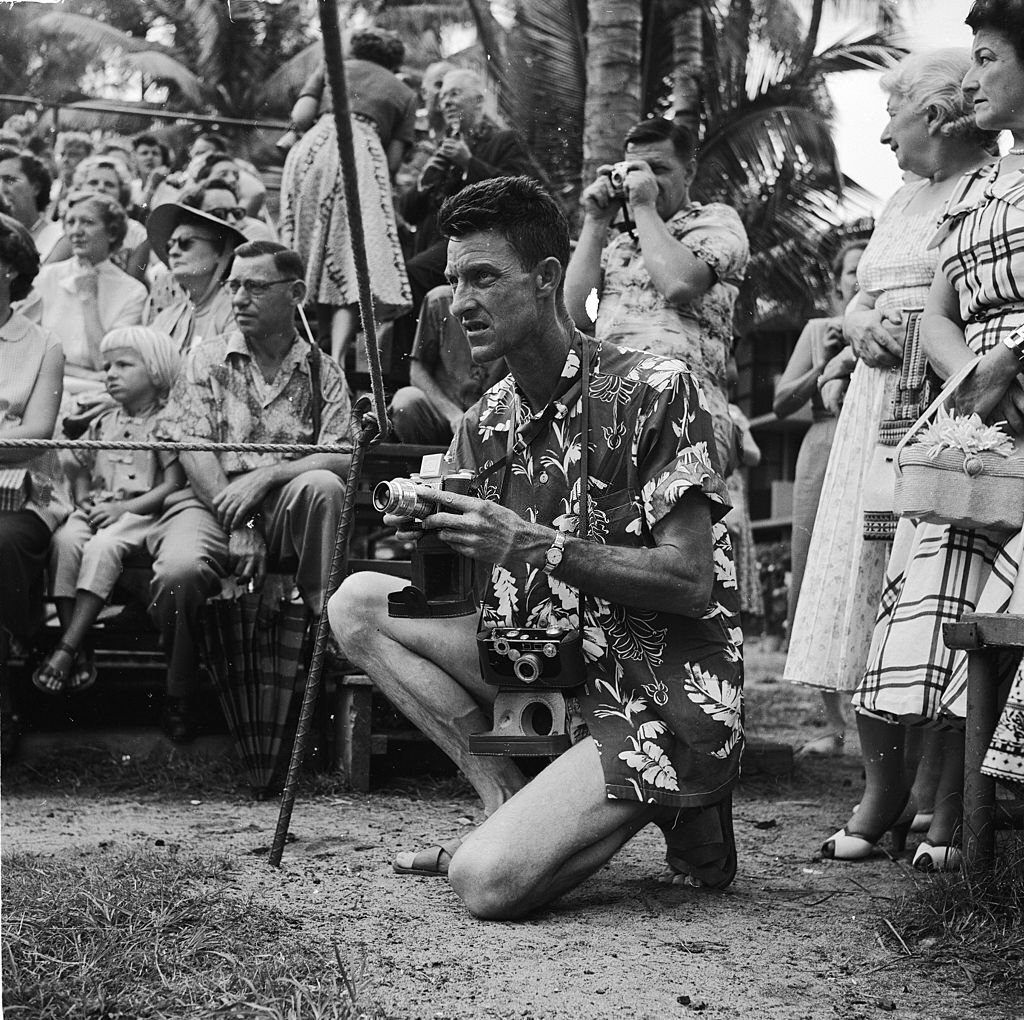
(118, 493)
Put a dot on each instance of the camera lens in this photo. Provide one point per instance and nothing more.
(527, 668)
(399, 497)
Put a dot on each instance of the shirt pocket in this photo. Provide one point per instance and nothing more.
(616, 518)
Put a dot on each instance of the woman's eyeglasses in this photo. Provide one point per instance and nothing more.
(186, 242)
(255, 288)
(228, 212)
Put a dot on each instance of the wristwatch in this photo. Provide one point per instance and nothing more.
(1014, 343)
(553, 557)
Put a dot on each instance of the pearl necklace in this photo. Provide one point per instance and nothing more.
(1019, 151)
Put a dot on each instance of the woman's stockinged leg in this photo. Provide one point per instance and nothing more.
(886, 786)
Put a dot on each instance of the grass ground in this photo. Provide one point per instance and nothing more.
(122, 933)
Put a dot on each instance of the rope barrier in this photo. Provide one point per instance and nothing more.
(303, 449)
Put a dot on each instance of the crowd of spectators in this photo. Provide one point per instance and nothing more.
(154, 293)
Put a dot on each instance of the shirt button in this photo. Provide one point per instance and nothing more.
(543, 478)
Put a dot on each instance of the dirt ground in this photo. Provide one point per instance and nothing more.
(794, 937)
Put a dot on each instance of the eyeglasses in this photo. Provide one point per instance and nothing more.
(255, 288)
(228, 213)
(186, 242)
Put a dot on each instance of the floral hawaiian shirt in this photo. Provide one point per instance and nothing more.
(222, 396)
(663, 693)
(698, 333)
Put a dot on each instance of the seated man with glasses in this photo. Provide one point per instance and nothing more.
(260, 383)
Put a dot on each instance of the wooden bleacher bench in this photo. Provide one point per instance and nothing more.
(129, 641)
(985, 637)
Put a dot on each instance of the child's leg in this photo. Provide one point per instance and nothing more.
(66, 547)
(100, 565)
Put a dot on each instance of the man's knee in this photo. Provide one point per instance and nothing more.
(354, 612)
(317, 490)
(488, 883)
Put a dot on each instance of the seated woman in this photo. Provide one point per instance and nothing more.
(190, 303)
(25, 187)
(219, 197)
(84, 297)
(31, 370)
(118, 494)
(106, 175)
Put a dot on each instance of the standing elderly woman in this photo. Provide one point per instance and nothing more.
(85, 296)
(31, 372)
(314, 219)
(197, 249)
(937, 573)
(934, 139)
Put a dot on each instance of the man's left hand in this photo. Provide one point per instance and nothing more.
(641, 184)
(480, 529)
(235, 503)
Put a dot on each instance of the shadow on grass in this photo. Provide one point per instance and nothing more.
(153, 935)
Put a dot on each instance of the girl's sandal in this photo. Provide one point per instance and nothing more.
(51, 680)
(83, 673)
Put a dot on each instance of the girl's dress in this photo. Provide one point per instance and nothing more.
(84, 560)
(811, 464)
(833, 622)
(314, 217)
(938, 573)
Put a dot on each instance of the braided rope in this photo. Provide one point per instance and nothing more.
(303, 449)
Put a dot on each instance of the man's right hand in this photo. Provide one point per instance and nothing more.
(598, 198)
(247, 555)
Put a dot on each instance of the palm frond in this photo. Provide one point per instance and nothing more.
(156, 62)
(545, 52)
(871, 53)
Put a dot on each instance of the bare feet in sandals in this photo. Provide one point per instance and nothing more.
(433, 861)
(53, 675)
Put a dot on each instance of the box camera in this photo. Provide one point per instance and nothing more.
(531, 667)
(442, 580)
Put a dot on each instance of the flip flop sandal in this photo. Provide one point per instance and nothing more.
(83, 673)
(426, 862)
(49, 679)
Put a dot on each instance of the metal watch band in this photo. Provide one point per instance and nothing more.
(553, 557)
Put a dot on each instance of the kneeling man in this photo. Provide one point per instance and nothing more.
(656, 726)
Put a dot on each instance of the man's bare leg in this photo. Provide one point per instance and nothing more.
(548, 838)
(429, 670)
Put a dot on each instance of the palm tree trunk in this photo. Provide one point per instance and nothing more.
(687, 62)
(613, 87)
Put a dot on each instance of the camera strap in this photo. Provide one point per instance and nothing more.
(583, 526)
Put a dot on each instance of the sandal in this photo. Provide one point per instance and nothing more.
(426, 862)
(701, 848)
(828, 744)
(50, 680)
(83, 673)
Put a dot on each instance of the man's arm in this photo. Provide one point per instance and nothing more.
(675, 576)
(422, 378)
(677, 274)
(583, 274)
(237, 500)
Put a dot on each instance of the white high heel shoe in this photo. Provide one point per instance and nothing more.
(937, 858)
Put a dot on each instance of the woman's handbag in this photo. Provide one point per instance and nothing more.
(15, 488)
(962, 473)
(912, 393)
